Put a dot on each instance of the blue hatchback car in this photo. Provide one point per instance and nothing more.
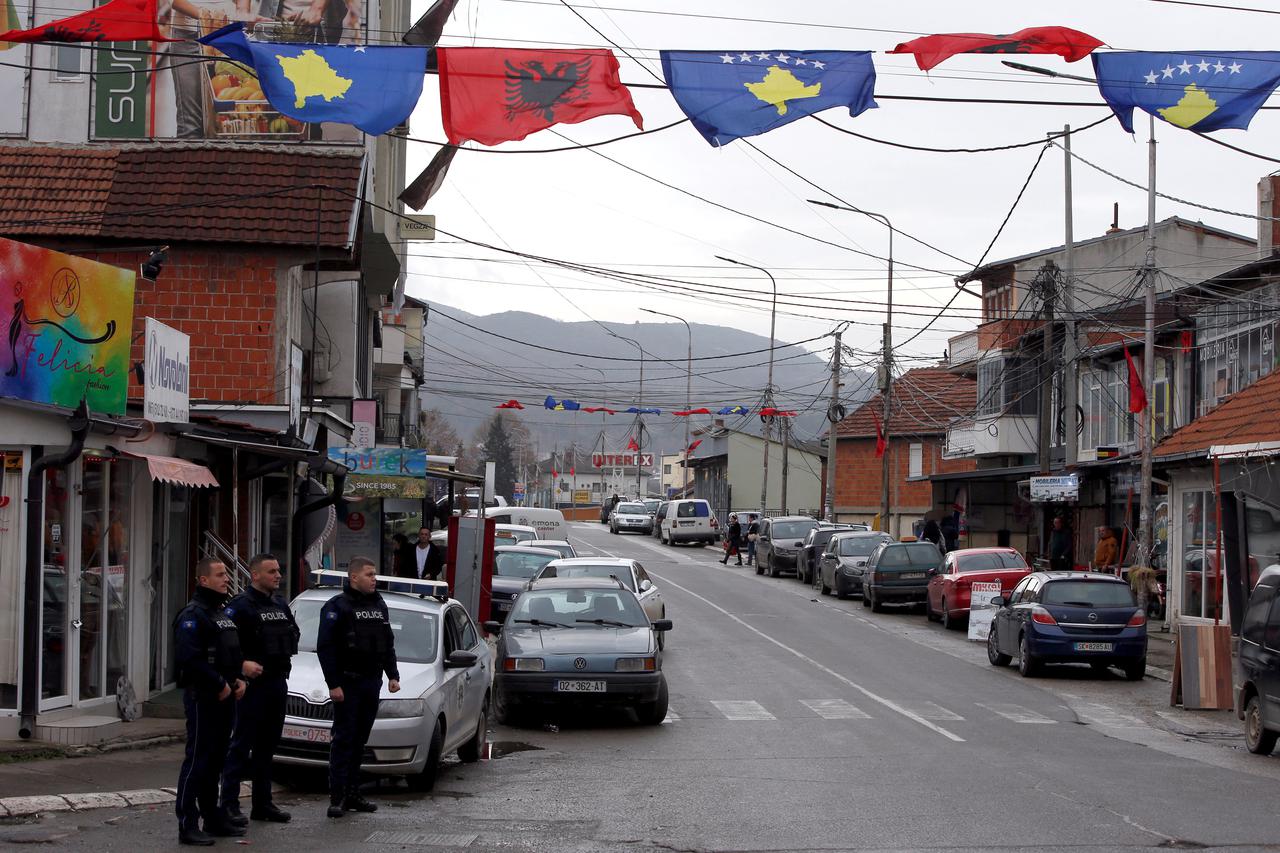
(1070, 617)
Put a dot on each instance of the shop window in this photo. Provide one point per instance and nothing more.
(119, 561)
(55, 586)
(1201, 580)
(11, 479)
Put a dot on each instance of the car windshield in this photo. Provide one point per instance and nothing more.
(514, 564)
(990, 562)
(1087, 594)
(651, 506)
(792, 529)
(564, 548)
(912, 554)
(416, 631)
(631, 509)
(583, 570)
(858, 546)
(579, 608)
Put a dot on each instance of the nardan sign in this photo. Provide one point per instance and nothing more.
(166, 397)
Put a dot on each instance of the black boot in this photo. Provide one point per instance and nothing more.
(195, 838)
(232, 815)
(356, 803)
(335, 807)
(270, 813)
(219, 828)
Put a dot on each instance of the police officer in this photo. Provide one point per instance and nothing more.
(356, 646)
(209, 660)
(269, 640)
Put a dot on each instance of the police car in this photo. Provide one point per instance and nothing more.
(444, 699)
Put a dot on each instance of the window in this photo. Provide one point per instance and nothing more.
(1255, 617)
(1104, 397)
(915, 460)
(67, 61)
(666, 468)
(693, 509)
(1271, 638)
(1236, 342)
(1088, 593)
(1016, 595)
(1008, 386)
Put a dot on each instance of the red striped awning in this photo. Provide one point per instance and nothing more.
(177, 472)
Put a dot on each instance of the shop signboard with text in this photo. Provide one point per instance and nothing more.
(623, 460)
(166, 396)
(1059, 489)
(67, 322)
(385, 472)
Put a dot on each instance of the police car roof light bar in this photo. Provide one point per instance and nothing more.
(386, 583)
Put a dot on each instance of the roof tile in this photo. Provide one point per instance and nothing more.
(924, 401)
(1248, 416)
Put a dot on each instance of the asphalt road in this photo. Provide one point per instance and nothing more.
(803, 723)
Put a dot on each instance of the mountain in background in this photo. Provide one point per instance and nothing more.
(470, 371)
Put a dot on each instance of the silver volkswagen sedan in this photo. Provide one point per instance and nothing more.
(443, 703)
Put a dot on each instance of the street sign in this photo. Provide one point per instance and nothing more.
(1055, 489)
(622, 460)
(582, 496)
(418, 227)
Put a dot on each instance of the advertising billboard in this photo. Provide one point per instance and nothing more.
(68, 323)
(14, 15)
(166, 393)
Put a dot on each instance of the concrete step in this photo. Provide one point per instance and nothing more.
(78, 731)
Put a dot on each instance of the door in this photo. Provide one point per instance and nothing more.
(1268, 679)
(650, 597)
(766, 539)
(463, 688)
(55, 589)
(1006, 624)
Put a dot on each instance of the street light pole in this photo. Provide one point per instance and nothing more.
(604, 383)
(639, 416)
(768, 388)
(688, 390)
(887, 390)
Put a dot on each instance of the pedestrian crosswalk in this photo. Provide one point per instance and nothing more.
(835, 709)
(734, 709)
(749, 710)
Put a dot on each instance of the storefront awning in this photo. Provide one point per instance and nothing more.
(177, 472)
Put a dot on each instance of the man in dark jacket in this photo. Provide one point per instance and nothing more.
(207, 653)
(425, 560)
(355, 645)
(1061, 548)
(269, 640)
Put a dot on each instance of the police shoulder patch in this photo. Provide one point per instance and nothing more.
(189, 623)
(229, 611)
(332, 614)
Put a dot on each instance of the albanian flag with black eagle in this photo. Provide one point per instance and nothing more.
(495, 95)
(118, 20)
(1071, 45)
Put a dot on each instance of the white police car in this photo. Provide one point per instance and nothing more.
(444, 699)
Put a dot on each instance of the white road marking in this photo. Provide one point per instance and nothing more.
(932, 711)
(1016, 713)
(875, 697)
(672, 716)
(835, 709)
(745, 709)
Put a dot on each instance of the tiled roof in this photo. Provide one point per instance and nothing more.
(1248, 416)
(188, 193)
(923, 402)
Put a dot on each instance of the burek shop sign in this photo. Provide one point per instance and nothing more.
(166, 397)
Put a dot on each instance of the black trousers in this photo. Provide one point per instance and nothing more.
(208, 732)
(259, 719)
(352, 721)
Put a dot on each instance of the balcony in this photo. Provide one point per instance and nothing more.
(962, 350)
(995, 435)
(388, 359)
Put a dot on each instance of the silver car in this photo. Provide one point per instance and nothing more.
(443, 703)
(629, 572)
(631, 515)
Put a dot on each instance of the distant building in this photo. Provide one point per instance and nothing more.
(727, 470)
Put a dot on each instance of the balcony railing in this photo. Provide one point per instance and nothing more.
(995, 435)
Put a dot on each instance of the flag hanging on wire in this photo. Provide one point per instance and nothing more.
(118, 20)
(692, 447)
(734, 410)
(1137, 394)
(881, 443)
(510, 404)
(1071, 45)
(591, 410)
(428, 29)
(687, 412)
(430, 180)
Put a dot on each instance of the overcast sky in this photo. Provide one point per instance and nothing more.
(578, 206)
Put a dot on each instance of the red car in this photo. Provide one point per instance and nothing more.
(947, 598)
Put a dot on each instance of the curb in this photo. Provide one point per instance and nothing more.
(46, 803)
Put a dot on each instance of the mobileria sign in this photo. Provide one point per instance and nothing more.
(166, 394)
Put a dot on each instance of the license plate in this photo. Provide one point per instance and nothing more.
(910, 576)
(580, 687)
(685, 523)
(1094, 647)
(308, 734)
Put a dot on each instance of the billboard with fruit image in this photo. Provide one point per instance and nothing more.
(193, 92)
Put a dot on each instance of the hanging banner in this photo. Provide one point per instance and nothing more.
(68, 322)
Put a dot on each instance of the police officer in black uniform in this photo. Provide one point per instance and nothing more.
(209, 660)
(356, 646)
(269, 640)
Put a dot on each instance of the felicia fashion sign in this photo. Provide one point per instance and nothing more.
(167, 394)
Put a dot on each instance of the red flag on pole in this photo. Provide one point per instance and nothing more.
(692, 447)
(1137, 394)
(1071, 45)
(881, 444)
(631, 444)
(510, 404)
(119, 20)
(494, 95)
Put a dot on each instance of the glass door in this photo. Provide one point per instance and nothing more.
(91, 586)
(55, 614)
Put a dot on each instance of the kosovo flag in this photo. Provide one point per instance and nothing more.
(733, 410)
(734, 94)
(1200, 91)
(373, 88)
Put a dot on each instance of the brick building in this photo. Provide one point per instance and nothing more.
(924, 401)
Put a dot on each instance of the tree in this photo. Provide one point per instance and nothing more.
(497, 449)
(438, 437)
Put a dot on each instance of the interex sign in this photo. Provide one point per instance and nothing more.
(166, 397)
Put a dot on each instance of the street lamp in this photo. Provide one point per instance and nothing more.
(639, 416)
(604, 383)
(768, 388)
(688, 389)
(888, 356)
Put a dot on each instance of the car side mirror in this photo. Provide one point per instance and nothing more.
(931, 572)
(999, 600)
(460, 660)
(492, 627)
(662, 624)
(646, 585)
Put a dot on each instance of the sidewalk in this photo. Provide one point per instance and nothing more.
(140, 734)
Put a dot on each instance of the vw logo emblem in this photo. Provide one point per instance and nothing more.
(579, 663)
(1093, 617)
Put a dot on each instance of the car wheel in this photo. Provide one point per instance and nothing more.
(949, 623)
(505, 711)
(1258, 739)
(470, 752)
(929, 612)
(653, 713)
(773, 570)
(841, 593)
(993, 650)
(1136, 670)
(1028, 666)
(866, 597)
(426, 780)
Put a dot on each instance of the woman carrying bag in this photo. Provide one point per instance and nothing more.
(731, 539)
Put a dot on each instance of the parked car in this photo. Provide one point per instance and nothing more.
(630, 572)
(630, 515)
(1070, 617)
(651, 506)
(1258, 695)
(688, 521)
(658, 515)
(561, 546)
(513, 567)
(513, 534)
(843, 563)
(947, 599)
(780, 543)
(814, 545)
(898, 573)
(576, 642)
(443, 703)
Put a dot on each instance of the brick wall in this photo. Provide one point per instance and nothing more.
(858, 470)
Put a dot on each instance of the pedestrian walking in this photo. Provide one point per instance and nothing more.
(1061, 550)
(732, 539)
(207, 652)
(932, 532)
(402, 556)
(425, 560)
(356, 646)
(269, 640)
(753, 533)
(950, 533)
(1106, 556)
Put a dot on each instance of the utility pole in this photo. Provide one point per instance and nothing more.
(829, 509)
(1046, 281)
(1070, 344)
(785, 430)
(1148, 358)
(886, 392)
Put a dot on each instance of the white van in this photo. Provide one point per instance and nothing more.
(549, 523)
(689, 521)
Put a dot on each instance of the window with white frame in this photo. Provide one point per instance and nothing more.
(1104, 397)
(67, 62)
(915, 460)
(1007, 386)
(1235, 344)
